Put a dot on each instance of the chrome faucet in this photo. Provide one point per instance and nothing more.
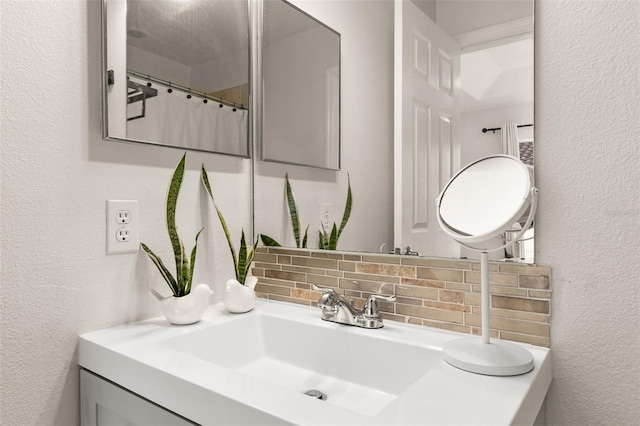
(336, 308)
(408, 252)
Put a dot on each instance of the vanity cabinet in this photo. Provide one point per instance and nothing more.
(103, 403)
(150, 373)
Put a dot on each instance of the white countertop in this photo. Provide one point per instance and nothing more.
(206, 393)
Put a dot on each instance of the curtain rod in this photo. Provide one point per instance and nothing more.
(184, 89)
(493, 129)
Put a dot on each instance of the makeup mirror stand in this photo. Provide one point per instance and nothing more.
(483, 356)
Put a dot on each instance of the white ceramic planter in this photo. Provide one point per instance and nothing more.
(240, 298)
(186, 309)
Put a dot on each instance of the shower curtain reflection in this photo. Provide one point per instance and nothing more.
(171, 118)
(510, 145)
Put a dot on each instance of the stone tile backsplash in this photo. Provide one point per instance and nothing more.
(442, 293)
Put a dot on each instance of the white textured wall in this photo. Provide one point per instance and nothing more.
(56, 174)
(57, 282)
(588, 223)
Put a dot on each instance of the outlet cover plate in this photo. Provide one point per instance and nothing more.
(326, 216)
(122, 220)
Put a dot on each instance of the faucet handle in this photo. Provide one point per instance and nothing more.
(385, 297)
(370, 309)
(328, 299)
(322, 289)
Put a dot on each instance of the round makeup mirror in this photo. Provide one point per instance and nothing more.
(479, 205)
(484, 200)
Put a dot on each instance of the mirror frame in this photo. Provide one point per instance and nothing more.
(524, 203)
(259, 111)
(106, 78)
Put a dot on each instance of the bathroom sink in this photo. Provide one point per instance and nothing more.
(359, 371)
(258, 368)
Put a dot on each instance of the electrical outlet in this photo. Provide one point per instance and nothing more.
(123, 216)
(325, 216)
(122, 235)
(122, 226)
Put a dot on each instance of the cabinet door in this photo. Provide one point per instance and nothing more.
(104, 404)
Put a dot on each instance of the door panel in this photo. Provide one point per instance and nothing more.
(421, 168)
(426, 122)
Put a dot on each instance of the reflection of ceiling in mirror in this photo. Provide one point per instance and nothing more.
(277, 13)
(498, 76)
(189, 32)
(456, 17)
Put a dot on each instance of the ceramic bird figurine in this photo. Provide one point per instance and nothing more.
(240, 298)
(186, 309)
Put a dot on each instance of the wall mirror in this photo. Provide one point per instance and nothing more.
(465, 92)
(301, 88)
(177, 73)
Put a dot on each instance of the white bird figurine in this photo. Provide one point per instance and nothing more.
(240, 298)
(186, 309)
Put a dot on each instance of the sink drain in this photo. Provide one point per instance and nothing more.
(316, 394)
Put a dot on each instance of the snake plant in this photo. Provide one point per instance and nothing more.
(295, 221)
(328, 241)
(180, 284)
(241, 261)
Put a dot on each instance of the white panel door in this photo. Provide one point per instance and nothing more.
(426, 123)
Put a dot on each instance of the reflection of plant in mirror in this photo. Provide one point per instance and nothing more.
(328, 241)
(295, 221)
(241, 262)
(180, 284)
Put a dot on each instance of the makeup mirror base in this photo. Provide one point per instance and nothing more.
(497, 358)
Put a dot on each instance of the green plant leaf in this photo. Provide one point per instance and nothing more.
(181, 284)
(242, 260)
(293, 211)
(250, 254)
(347, 208)
(205, 182)
(172, 201)
(193, 262)
(322, 240)
(333, 239)
(184, 271)
(168, 277)
(304, 240)
(268, 241)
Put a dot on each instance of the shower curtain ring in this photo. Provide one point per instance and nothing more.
(170, 90)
